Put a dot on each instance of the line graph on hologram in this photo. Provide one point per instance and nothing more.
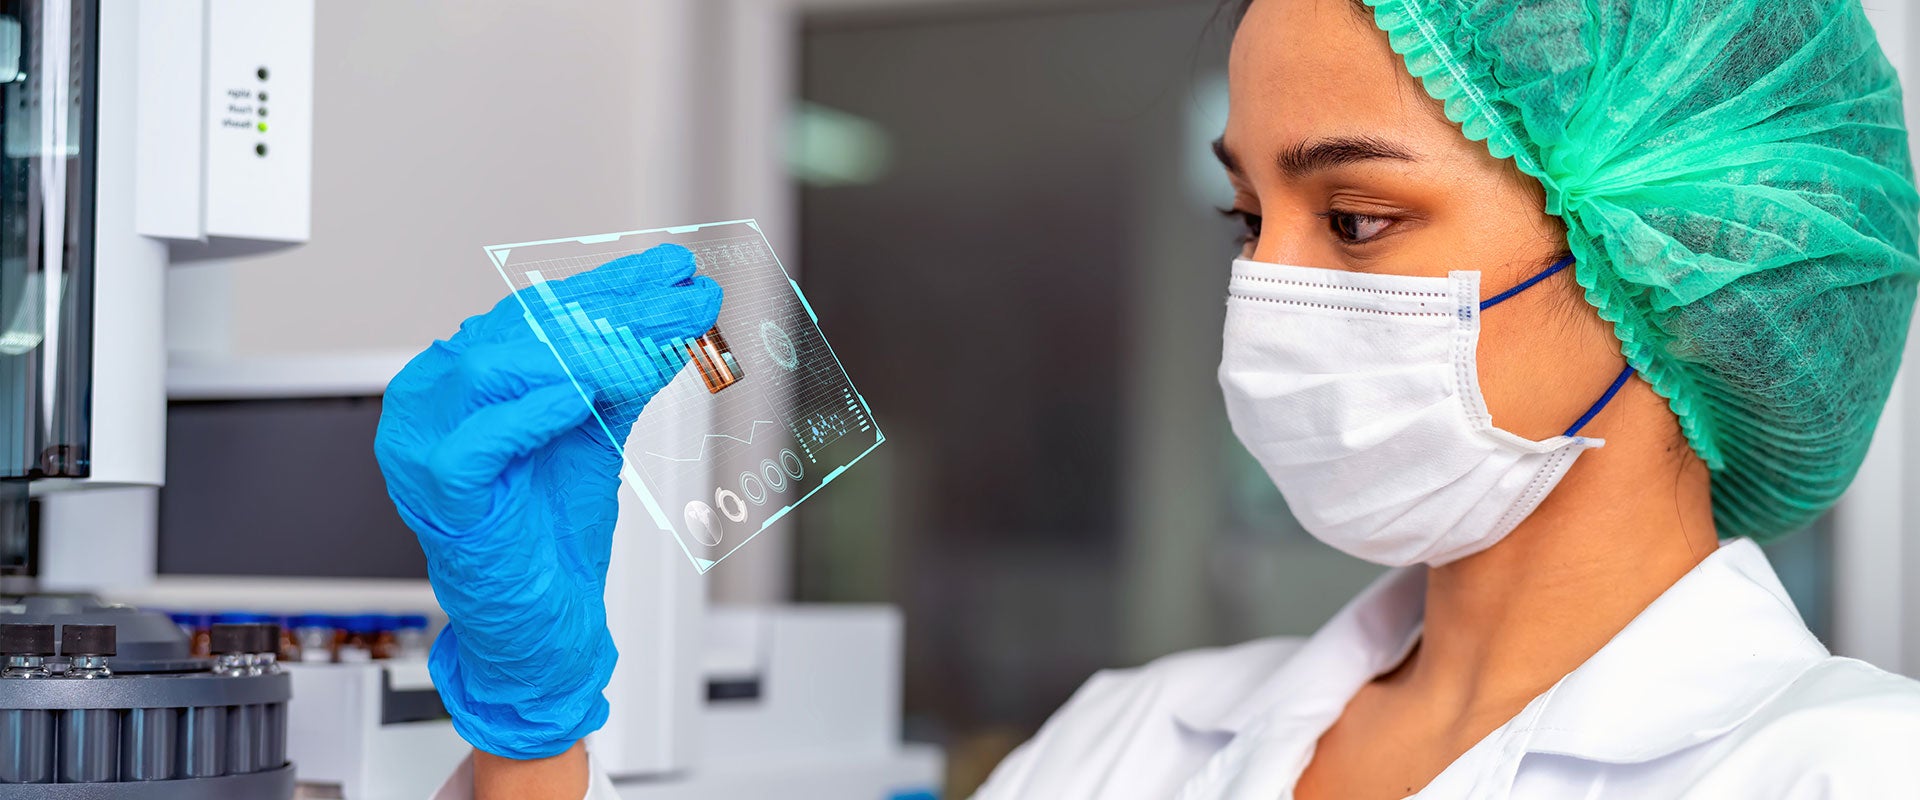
(752, 431)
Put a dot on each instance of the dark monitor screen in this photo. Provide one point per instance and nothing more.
(280, 487)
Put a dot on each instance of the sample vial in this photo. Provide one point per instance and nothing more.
(289, 643)
(198, 628)
(353, 640)
(314, 635)
(718, 368)
(383, 645)
(410, 632)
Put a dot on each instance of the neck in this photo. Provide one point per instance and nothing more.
(1505, 624)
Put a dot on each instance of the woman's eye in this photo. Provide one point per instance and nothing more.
(1249, 222)
(1355, 228)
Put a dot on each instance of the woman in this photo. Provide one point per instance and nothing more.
(1684, 231)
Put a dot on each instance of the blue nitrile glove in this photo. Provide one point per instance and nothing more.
(494, 459)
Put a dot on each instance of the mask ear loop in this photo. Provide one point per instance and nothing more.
(1602, 403)
(1526, 284)
(1618, 382)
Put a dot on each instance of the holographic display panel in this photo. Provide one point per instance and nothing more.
(756, 415)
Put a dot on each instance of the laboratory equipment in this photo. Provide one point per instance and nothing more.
(410, 636)
(100, 694)
(734, 444)
(706, 701)
(314, 633)
(798, 702)
(121, 130)
(121, 701)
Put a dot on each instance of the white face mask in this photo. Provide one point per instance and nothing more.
(1359, 394)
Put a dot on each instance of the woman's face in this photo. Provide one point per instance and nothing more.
(1339, 159)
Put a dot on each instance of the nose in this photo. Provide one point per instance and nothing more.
(1280, 247)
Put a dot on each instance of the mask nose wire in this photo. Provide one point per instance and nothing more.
(1619, 381)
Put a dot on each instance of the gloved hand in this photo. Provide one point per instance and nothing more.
(495, 460)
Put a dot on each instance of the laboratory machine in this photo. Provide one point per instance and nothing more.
(111, 112)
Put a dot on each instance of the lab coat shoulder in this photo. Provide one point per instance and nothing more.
(1125, 733)
(1842, 729)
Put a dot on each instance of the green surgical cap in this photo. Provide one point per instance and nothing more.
(1737, 191)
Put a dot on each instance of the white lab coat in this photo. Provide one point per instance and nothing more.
(1716, 690)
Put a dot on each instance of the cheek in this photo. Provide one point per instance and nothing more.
(1544, 359)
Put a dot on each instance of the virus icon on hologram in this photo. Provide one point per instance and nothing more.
(779, 345)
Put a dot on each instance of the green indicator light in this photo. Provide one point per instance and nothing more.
(263, 127)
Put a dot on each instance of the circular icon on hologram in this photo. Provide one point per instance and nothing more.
(736, 511)
(776, 480)
(779, 345)
(753, 488)
(702, 523)
(791, 463)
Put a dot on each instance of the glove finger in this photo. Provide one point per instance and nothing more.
(680, 311)
(663, 320)
(468, 461)
(655, 291)
(624, 280)
(662, 265)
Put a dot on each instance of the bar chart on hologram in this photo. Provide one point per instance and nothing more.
(780, 416)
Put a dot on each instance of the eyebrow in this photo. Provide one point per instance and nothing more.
(1309, 157)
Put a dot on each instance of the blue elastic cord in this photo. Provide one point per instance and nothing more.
(1618, 382)
(1611, 391)
(1526, 284)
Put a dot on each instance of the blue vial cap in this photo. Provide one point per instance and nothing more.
(360, 623)
(239, 617)
(413, 622)
(311, 621)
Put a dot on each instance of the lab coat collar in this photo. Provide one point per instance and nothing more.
(1695, 663)
(1368, 636)
(1699, 661)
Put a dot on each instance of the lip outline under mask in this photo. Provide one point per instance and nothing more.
(1424, 478)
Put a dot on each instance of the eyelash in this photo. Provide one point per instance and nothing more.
(1251, 224)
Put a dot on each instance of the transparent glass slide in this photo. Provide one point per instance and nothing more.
(757, 413)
